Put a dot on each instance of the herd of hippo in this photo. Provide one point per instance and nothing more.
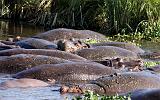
(61, 56)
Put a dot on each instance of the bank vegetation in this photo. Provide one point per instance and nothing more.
(122, 18)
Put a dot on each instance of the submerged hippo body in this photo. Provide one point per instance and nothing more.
(124, 83)
(5, 46)
(16, 63)
(155, 68)
(66, 72)
(146, 94)
(106, 52)
(119, 83)
(53, 53)
(33, 43)
(63, 33)
(22, 83)
(123, 45)
(151, 55)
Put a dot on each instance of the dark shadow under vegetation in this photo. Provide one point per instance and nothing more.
(136, 18)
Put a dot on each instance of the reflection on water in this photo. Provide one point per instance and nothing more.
(11, 29)
(39, 93)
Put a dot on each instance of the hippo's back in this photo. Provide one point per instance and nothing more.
(65, 72)
(106, 52)
(129, 81)
(63, 33)
(124, 45)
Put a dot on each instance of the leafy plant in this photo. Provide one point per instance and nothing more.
(89, 95)
(136, 18)
(151, 63)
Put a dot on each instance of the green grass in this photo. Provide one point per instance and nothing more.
(89, 95)
(151, 63)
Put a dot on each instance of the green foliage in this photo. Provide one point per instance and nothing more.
(138, 18)
(151, 63)
(89, 95)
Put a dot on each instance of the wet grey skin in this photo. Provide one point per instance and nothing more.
(22, 83)
(64, 33)
(6, 46)
(71, 46)
(123, 45)
(15, 63)
(123, 83)
(66, 72)
(53, 53)
(33, 43)
(7, 42)
(154, 69)
(151, 56)
(146, 94)
(106, 52)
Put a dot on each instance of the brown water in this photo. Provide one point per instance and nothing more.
(10, 29)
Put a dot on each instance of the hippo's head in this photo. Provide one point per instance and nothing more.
(71, 45)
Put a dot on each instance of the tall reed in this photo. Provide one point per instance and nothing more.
(107, 16)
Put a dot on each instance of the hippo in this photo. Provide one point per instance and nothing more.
(154, 68)
(123, 45)
(53, 53)
(119, 83)
(7, 42)
(64, 33)
(106, 52)
(118, 63)
(23, 83)
(151, 55)
(71, 45)
(4, 46)
(33, 43)
(66, 72)
(145, 94)
(15, 63)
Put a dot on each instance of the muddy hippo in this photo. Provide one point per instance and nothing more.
(22, 83)
(63, 33)
(123, 45)
(53, 53)
(71, 45)
(33, 43)
(15, 63)
(146, 94)
(106, 52)
(66, 72)
(120, 83)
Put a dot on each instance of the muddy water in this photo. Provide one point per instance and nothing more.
(10, 29)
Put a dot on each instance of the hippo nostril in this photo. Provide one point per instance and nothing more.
(116, 74)
(88, 46)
